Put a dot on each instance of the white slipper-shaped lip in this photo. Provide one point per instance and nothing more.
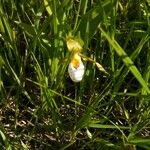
(76, 74)
(76, 68)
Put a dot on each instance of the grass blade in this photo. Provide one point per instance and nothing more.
(127, 61)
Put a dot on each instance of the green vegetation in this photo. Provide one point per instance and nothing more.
(41, 108)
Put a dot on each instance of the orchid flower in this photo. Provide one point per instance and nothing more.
(76, 68)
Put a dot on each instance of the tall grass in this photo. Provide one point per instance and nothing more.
(41, 108)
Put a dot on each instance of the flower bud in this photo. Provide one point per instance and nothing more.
(73, 45)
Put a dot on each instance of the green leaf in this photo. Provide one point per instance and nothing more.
(140, 141)
(106, 126)
(48, 8)
(1, 61)
(90, 21)
(27, 28)
(2, 136)
(5, 24)
(144, 143)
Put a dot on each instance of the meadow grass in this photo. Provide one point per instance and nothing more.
(41, 108)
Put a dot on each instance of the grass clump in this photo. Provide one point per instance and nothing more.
(42, 108)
